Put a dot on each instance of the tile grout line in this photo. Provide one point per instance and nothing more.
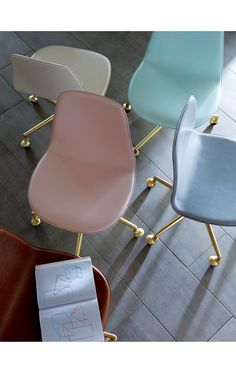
(220, 329)
(124, 282)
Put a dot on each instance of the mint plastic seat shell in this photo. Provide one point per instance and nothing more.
(175, 66)
(204, 184)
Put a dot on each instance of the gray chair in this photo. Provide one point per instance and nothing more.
(204, 184)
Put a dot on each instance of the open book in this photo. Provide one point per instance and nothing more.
(67, 299)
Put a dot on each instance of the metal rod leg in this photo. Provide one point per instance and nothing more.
(146, 139)
(152, 238)
(78, 243)
(214, 260)
(25, 142)
(138, 232)
(152, 182)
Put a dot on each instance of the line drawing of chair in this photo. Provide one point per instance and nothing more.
(204, 178)
(54, 69)
(19, 312)
(175, 66)
(85, 180)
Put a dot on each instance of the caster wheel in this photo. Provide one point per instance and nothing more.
(33, 98)
(25, 143)
(139, 232)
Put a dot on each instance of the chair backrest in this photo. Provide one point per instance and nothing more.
(185, 150)
(194, 53)
(41, 78)
(93, 129)
(19, 314)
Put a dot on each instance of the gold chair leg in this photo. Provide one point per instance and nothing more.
(35, 219)
(127, 106)
(109, 337)
(33, 99)
(26, 142)
(214, 120)
(214, 260)
(152, 238)
(146, 139)
(78, 243)
(138, 232)
(152, 182)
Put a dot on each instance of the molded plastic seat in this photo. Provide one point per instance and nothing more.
(175, 66)
(204, 173)
(85, 180)
(19, 314)
(54, 69)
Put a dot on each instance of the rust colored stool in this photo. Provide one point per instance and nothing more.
(19, 314)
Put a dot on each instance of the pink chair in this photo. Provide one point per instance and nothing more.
(85, 180)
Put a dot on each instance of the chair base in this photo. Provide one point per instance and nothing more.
(153, 181)
(214, 120)
(33, 98)
(35, 219)
(126, 105)
(25, 143)
(214, 261)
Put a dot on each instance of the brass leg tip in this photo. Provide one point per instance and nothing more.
(35, 219)
(151, 240)
(127, 106)
(214, 119)
(138, 232)
(214, 261)
(25, 143)
(151, 183)
(33, 98)
(136, 152)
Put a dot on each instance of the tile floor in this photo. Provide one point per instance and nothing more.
(164, 293)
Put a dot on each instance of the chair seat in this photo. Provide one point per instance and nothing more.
(92, 68)
(207, 191)
(161, 102)
(19, 314)
(79, 199)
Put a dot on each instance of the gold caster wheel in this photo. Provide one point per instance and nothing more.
(127, 106)
(151, 240)
(25, 143)
(35, 219)
(151, 182)
(33, 98)
(138, 232)
(214, 261)
(214, 120)
(136, 152)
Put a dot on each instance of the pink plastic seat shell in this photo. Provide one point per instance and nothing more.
(85, 180)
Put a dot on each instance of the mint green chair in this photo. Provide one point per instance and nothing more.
(175, 66)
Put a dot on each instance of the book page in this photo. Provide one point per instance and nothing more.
(67, 299)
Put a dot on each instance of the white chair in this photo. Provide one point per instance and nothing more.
(204, 183)
(54, 69)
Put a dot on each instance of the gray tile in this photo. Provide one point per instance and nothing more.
(227, 333)
(231, 231)
(16, 121)
(14, 206)
(39, 39)
(220, 280)
(230, 50)
(124, 54)
(141, 325)
(11, 43)
(174, 296)
(228, 95)
(225, 127)
(10, 97)
(3, 149)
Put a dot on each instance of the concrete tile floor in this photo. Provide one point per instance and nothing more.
(163, 293)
